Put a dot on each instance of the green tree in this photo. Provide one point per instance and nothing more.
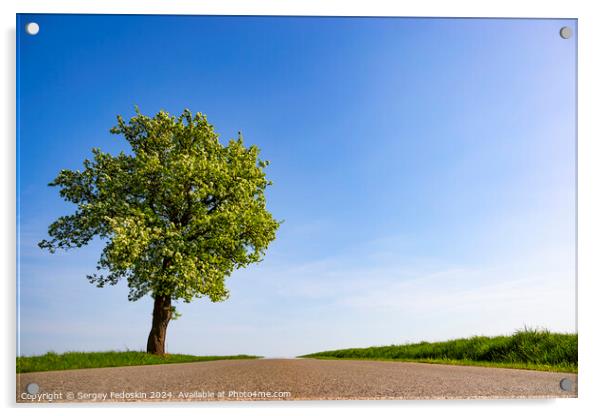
(179, 212)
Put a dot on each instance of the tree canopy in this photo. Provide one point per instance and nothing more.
(179, 212)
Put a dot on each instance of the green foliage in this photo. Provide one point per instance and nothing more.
(74, 360)
(179, 213)
(175, 314)
(527, 348)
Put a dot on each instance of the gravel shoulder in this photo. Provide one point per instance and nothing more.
(289, 379)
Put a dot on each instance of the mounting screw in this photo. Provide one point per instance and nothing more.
(566, 32)
(32, 388)
(32, 28)
(566, 384)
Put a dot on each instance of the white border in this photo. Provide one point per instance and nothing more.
(466, 8)
(589, 174)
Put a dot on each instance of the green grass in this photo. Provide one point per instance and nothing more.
(534, 349)
(74, 360)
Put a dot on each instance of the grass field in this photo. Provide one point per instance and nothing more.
(74, 360)
(525, 349)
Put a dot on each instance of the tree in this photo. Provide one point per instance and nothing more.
(179, 212)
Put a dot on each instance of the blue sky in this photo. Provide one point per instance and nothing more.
(424, 168)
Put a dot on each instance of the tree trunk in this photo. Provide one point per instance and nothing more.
(161, 317)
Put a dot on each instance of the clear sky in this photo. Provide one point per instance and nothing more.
(424, 168)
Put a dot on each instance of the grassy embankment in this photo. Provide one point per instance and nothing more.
(73, 360)
(525, 349)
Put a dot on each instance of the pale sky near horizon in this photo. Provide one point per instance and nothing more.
(424, 170)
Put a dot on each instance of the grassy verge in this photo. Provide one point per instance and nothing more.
(525, 349)
(74, 360)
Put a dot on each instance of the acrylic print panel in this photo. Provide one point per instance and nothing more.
(412, 236)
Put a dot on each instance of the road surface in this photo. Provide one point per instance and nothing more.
(289, 379)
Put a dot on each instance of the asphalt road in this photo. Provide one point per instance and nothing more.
(290, 379)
